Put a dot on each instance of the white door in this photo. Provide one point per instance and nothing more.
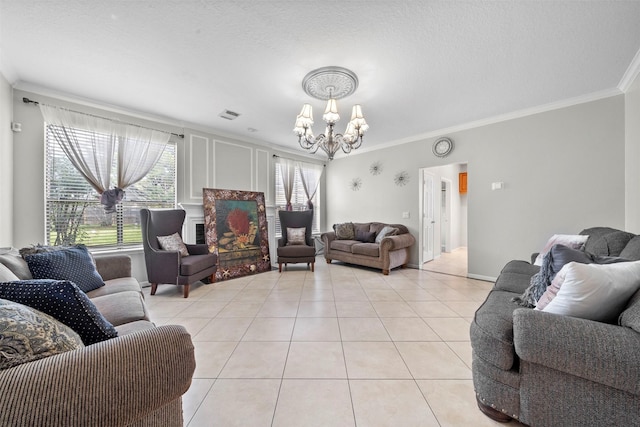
(428, 219)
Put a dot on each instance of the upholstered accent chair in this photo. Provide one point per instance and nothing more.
(168, 266)
(296, 251)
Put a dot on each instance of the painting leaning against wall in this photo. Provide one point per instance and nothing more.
(236, 229)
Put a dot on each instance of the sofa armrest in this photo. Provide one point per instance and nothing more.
(328, 237)
(399, 241)
(600, 352)
(197, 249)
(113, 266)
(112, 383)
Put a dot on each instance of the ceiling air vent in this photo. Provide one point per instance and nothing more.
(229, 115)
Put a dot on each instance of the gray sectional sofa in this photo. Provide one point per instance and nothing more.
(135, 379)
(392, 251)
(546, 369)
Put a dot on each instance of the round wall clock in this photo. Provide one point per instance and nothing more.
(442, 147)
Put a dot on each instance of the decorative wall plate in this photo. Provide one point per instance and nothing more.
(401, 178)
(442, 147)
(375, 168)
(356, 184)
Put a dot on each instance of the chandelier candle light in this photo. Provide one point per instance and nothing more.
(330, 83)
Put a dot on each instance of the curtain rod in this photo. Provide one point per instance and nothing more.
(29, 101)
(295, 160)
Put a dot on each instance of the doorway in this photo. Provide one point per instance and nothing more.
(443, 220)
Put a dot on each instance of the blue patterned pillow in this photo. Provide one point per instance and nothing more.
(29, 334)
(73, 263)
(64, 301)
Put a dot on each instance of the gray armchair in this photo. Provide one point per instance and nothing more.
(169, 266)
(296, 253)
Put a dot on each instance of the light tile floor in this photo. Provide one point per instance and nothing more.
(454, 262)
(344, 346)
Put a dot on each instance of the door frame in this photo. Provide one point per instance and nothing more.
(422, 173)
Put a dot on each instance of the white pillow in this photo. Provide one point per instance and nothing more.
(574, 241)
(595, 291)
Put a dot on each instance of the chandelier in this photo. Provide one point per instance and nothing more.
(330, 83)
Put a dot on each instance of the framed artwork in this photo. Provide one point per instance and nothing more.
(235, 228)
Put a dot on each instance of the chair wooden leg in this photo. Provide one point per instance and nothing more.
(312, 266)
(154, 288)
(385, 272)
(279, 267)
(185, 290)
(212, 278)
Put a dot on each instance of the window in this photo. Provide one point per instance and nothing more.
(298, 197)
(73, 212)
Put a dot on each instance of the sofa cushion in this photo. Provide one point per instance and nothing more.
(612, 244)
(63, 300)
(492, 330)
(115, 286)
(630, 317)
(295, 251)
(73, 263)
(632, 250)
(594, 244)
(17, 265)
(368, 249)
(29, 335)
(343, 245)
(195, 263)
(123, 307)
(173, 243)
(131, 327)
(345, 231)
(595, 292)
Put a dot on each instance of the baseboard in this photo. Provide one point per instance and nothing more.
(480, 277)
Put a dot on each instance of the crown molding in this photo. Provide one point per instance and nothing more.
(630, 75)
(595, 96)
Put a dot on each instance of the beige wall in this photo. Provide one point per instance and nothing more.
(632, 157)
(6, 164)
(563, 171)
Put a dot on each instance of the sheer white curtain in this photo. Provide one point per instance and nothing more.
(288, 174)
(89, 142)
(138, 152)
(310, 175)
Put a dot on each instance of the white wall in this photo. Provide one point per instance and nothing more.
(6, 163)
(632, 157)
(563, 171)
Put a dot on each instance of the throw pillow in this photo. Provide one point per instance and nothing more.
(7, 275)
(386, 231)
(29, 335)
(74, 264)
(63, 300)
(552, 264)
(632, 250)
(366, 236)
(570, 240)
(345, 231)
(296, 236)
(596, 292)
(173, 243)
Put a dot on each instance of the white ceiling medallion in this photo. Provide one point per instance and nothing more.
(330, 82)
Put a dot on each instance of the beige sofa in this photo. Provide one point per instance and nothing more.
(391, 252)
(135, 379)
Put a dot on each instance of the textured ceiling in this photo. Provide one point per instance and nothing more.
(422, 65)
